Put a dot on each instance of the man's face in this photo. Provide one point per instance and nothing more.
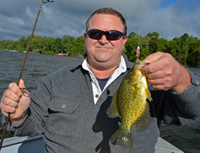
(104, 54)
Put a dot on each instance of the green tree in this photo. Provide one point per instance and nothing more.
(153, 41)
(12, 45)
(194, 54)
(162, 45)
(184, 48)
(68, 46)
(131, 47)
(80, 42)
(58, 45)
(171, 48)
(44, 42)
(177, 42)
(131, 35)
(26, 41)
(21, 45)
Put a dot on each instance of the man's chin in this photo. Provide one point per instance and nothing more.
(101, 60)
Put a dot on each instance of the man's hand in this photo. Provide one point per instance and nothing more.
(163, 72)
(15, 101)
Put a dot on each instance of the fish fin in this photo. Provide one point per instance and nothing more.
(148, 94)
(122, 138)
(112, 111)
(133, 81)
(135, 93)
(144, 121)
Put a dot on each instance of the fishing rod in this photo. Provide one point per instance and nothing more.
(8, 118)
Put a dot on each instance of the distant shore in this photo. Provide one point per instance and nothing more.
(62, 54)
(40, 52)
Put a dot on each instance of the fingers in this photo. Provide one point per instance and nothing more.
(161, 83)
(15, 101)
(25, 92)
(11, 98)
(157, 62)
(21, 84)
(9, 102)
(158, 69)
(8, 106)
(153, 57)
(162, 72)
(5, 109)
(14, 89)
(13, 92)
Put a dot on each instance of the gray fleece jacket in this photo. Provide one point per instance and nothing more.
(63, 110)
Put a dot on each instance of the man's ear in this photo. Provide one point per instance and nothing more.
(125, 39)
(85, 36)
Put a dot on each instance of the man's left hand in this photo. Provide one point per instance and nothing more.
(163, 72)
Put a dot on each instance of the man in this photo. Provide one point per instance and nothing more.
(69, 107)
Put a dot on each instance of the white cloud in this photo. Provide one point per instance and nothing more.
(68, 17)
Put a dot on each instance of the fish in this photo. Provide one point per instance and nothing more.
(130, 104)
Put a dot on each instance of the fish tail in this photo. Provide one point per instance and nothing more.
(112, 111)
(148, 94)
(122, 138)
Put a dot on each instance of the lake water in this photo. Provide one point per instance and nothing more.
(186, 138)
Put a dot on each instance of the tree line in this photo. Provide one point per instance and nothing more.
(185, 49)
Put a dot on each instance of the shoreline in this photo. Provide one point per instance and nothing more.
(39, 52)
(61, 54)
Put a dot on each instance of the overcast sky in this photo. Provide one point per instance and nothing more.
(170, 18)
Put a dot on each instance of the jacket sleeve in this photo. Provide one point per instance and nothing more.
(177, 108)
(34, 122)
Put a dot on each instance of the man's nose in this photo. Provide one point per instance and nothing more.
(103, 39)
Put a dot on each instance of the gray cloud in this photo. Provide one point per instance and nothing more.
(67, 17)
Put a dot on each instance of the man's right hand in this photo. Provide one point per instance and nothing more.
(15, 101)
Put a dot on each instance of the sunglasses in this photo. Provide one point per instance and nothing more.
(110, 35)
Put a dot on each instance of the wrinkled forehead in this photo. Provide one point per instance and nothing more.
(97, 18)
(105, 21)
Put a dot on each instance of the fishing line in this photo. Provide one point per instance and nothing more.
(138, 48)
(141, 19)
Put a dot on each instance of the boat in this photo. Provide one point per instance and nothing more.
(37, 145)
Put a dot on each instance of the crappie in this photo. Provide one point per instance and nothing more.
(129, 102)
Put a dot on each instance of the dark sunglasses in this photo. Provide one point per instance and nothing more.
(110, 35)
